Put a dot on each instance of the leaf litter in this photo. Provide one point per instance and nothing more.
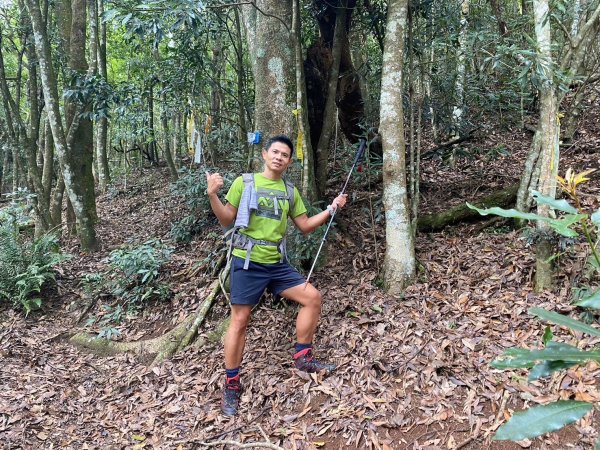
(413, 372)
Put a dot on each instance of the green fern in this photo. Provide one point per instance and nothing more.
(25, 265)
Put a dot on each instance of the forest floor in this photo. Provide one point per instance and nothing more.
(413, 371)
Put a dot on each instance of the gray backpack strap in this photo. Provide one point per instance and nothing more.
(289, 187)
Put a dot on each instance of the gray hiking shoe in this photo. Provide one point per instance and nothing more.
(306, 362)
(231, 397)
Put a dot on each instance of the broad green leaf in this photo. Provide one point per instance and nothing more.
(593, 301)
(596, 218)
(542, 419)
(512, 213)
(561, 205)
(598, 444)
(560, 319)
(523, 358)
(561, 226)
(547, 368)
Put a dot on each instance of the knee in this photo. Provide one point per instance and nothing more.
(239, 323)
(315, 300)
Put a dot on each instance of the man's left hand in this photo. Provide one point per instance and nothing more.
(339, 201)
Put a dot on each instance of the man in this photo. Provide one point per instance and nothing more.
(265, 266)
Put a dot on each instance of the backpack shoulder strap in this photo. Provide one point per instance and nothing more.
(289, 187)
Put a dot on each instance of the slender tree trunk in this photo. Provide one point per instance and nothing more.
(102, 132)
(167, 142)
(329, 116)
(461, 70)
(399, 265)
(309, 188)
(48, 168)
(548, 129)
(240, 84)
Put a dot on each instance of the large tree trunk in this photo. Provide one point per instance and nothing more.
(272, 56)
(399, 265)
(83, 205)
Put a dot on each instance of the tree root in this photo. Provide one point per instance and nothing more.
(164, 346)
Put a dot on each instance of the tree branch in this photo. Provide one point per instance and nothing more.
(253, 3)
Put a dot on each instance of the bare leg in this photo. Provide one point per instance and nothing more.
(235, 339)
(308, 316)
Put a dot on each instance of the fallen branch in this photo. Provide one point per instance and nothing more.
(462, 213)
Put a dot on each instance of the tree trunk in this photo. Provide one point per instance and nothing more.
(309, 188)
(272, 56)
(73, 182)
(167, 141)
(461, 71)
(548, 129)
(462, 213)
(240, 84)
(399, 265)
(48, 169)
(329, 115)
(102, 124)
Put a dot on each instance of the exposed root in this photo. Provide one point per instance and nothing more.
(164, 346)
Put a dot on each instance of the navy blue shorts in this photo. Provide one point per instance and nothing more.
(247, 286)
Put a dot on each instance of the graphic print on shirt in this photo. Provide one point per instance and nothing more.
(266, 203)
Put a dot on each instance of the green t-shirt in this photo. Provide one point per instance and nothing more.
(266, 223)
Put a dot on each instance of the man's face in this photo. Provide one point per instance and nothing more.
(277, 157)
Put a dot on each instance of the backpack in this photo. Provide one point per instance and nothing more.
(242, 241)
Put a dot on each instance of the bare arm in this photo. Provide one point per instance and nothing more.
(225, 213)
(307, 224)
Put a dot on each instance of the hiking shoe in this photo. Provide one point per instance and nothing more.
(231, 397)
(306, 362)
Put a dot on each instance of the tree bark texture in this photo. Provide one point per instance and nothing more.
(548, 129)
(269, 41)
(329, 113)
(308, 185)
(399, 264)
(73, 183)
(102, 124)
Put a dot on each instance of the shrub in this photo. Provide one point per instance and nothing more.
(191, 187)
(25, 264)
(132, 278)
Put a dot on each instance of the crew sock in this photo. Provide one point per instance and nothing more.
(232, 374)
(299, 347)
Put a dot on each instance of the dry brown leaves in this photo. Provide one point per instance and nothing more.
(413, 372)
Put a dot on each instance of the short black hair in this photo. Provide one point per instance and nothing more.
(283, 139)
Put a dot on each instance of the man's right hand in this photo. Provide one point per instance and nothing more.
(214, 183)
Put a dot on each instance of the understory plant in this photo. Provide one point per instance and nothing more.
(191, 187)
(26, 264)
(132, 278)
(571, 221)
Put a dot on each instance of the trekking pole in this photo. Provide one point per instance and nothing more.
(359, 153)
